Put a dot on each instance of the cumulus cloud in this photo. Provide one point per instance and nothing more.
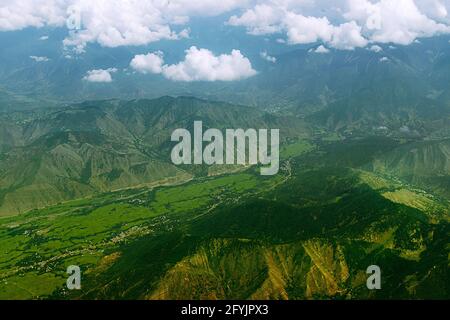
(348, 36)
(341, 24)
(399, 21)
(111, 23)
(262, 19)
(20, 14)
(198, 65)
(100, 75)
(267, 57)
(149, 63)
(299, 29)
(435, 9)
(116, 23)
(356, 22)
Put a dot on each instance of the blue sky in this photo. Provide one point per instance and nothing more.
(332, 25)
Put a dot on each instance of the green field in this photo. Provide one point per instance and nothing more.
(238, 236)
(44, 242)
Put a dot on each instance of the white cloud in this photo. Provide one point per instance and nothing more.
(348, 36)
(20, 14)
(100, 75)
(43, 38)
(262, 19)
(342, 24)
(360, 21)
(435, 9)
(321, 49)
(111, 23)
(384, 59)
(267, 57)
(39, 59)
(149, 63)
(203, 65)
(198, 65)
(116, 23)
(376, 48)
(301, 29)
(399, 21)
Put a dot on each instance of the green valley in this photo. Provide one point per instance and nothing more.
(308, 233)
